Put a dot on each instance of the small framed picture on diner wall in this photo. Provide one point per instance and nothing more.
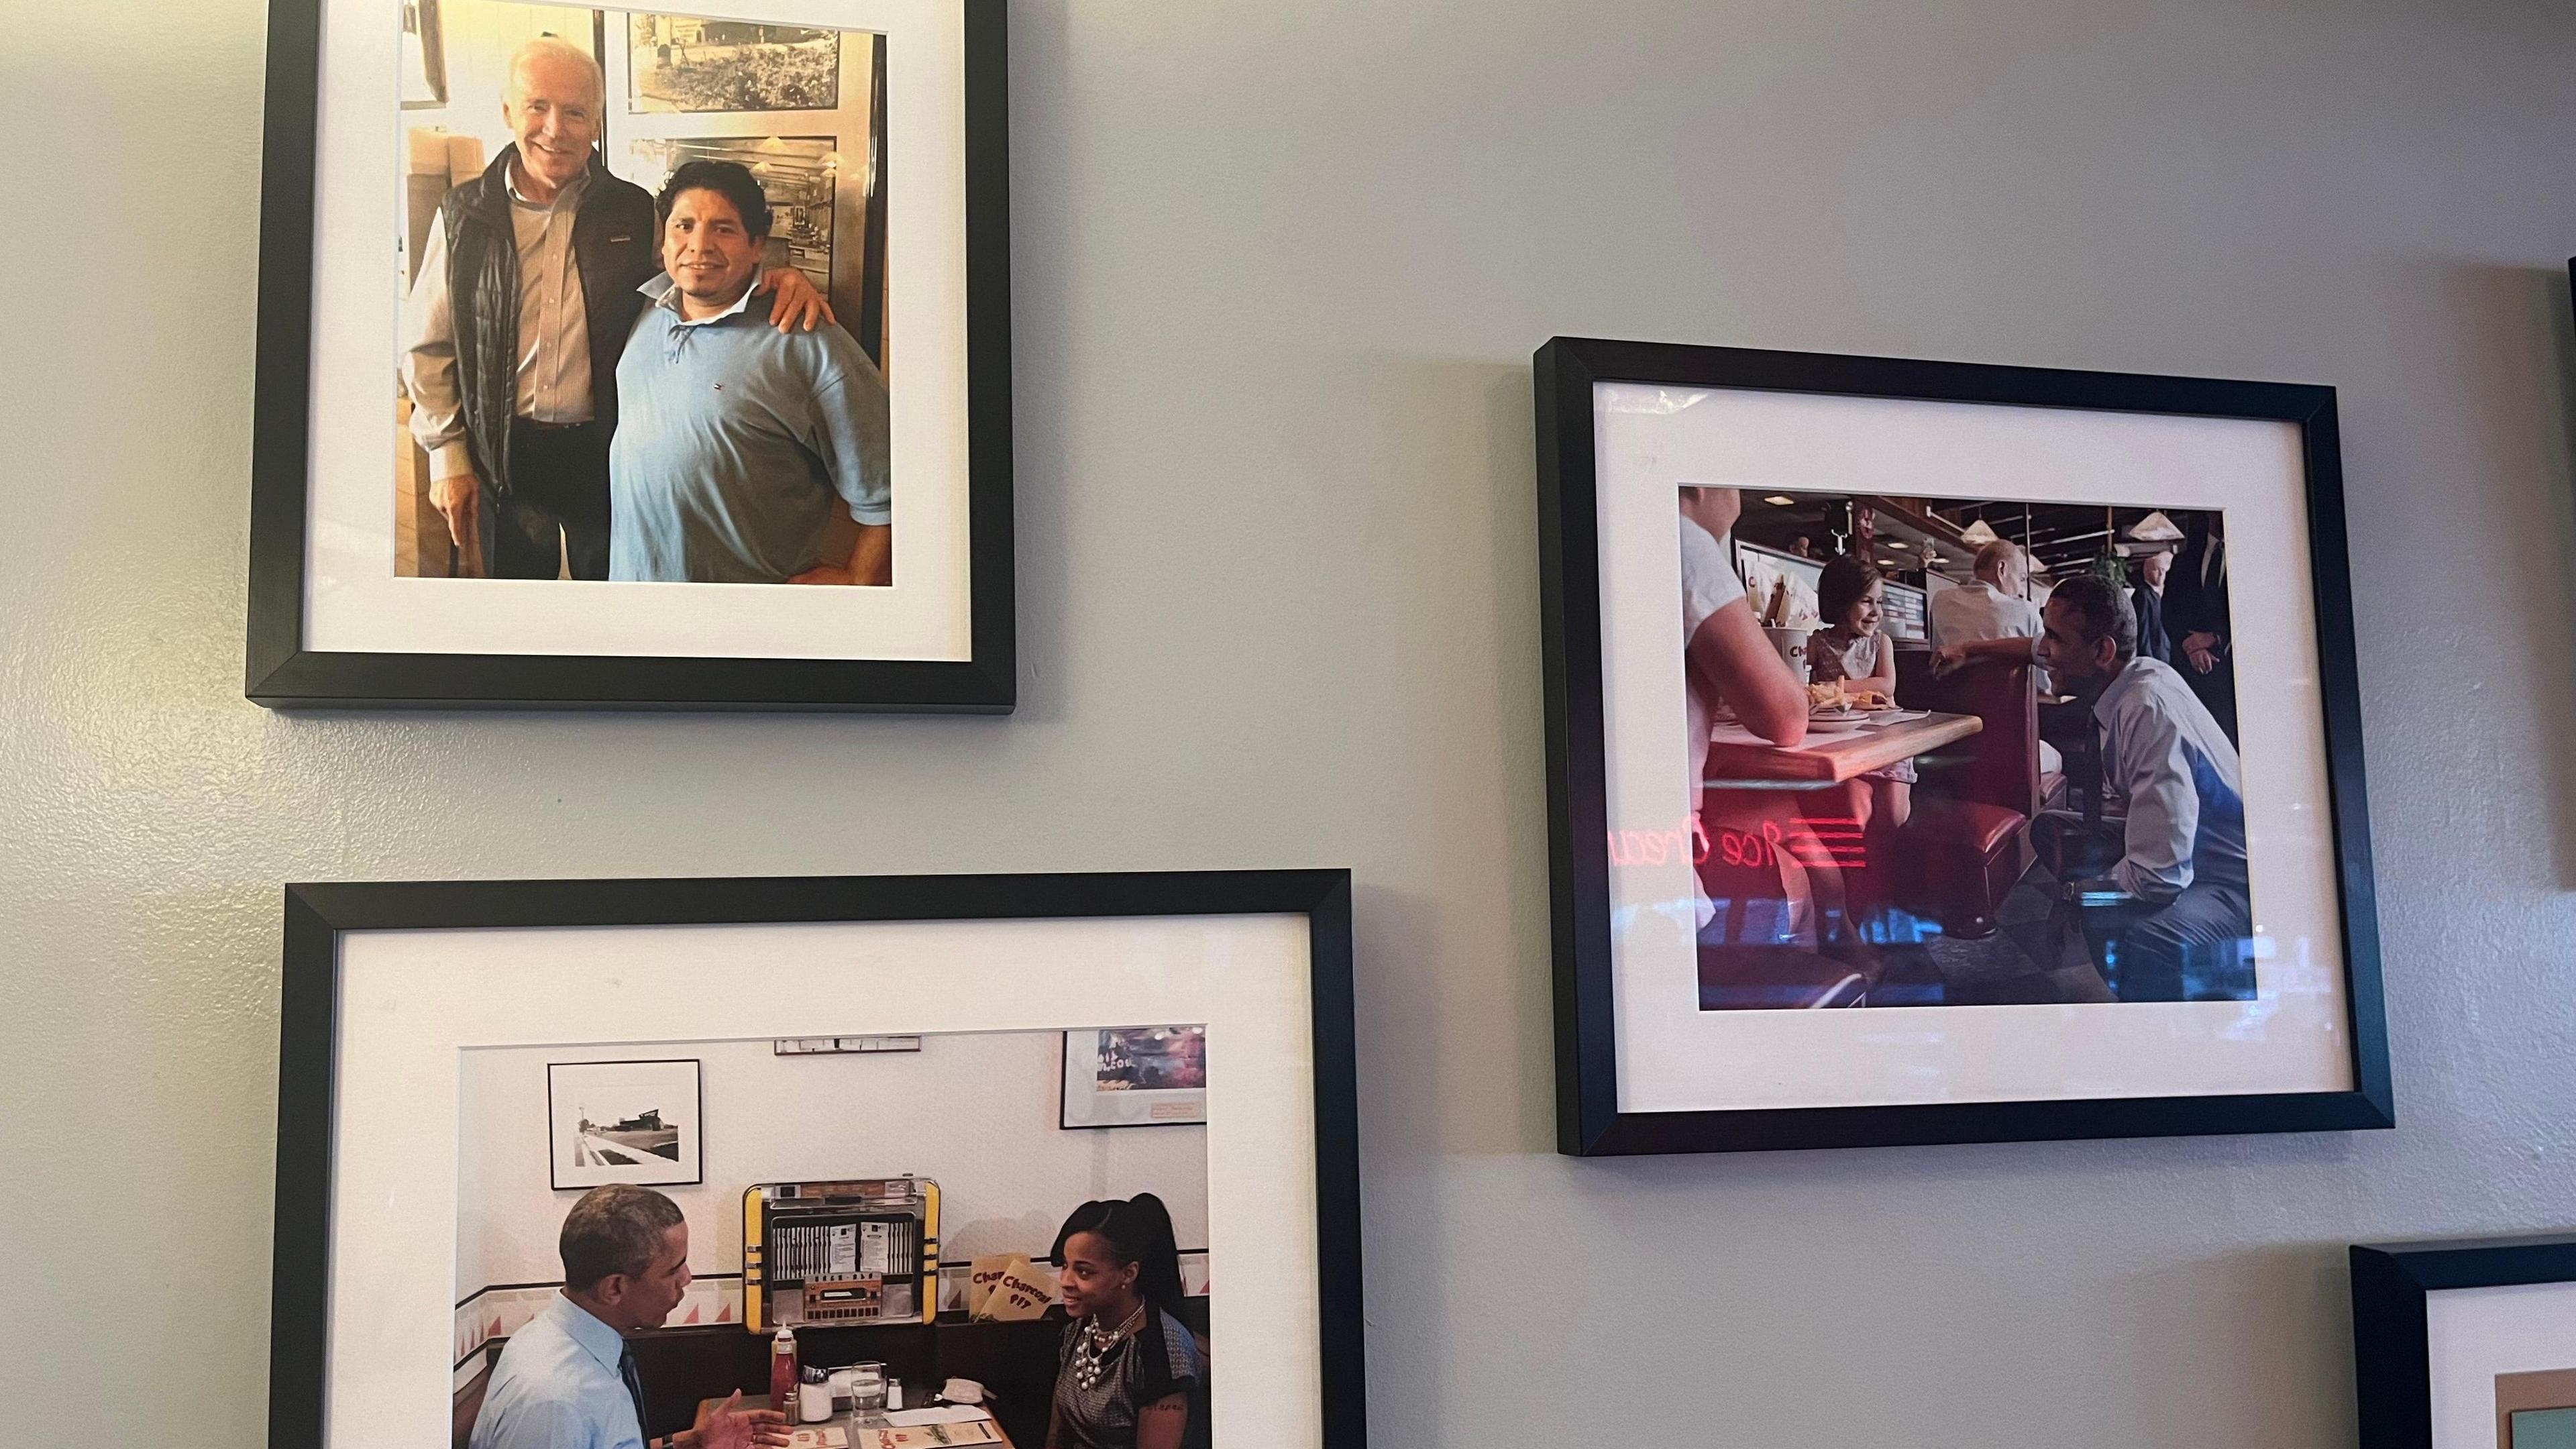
(2465, 1344)
(1948, 753)
(623, 359)
(1135, 1076)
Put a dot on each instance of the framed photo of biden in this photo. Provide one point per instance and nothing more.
(1948, 753)
(618, 358)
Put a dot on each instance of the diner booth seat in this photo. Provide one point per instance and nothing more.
(467, 1403)
(1968, 842)
(1743, 961)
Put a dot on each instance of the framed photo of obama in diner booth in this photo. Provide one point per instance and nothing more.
(1942, 752)
(634, 358)
(469, 1071)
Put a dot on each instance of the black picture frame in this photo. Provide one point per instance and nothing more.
(2392, 1366)
(280, 672)
(317, 916)
(1589, 1119)
(697, 1108)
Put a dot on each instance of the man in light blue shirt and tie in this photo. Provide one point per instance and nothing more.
(2178, 896)
(567, 1379)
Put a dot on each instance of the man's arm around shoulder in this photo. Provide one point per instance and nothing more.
(850, 426)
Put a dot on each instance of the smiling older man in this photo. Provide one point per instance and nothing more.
(739, 441)
(525, 294)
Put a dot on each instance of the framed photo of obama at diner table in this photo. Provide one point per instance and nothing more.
(634, 358)
(479, 1080)
(1942, 752)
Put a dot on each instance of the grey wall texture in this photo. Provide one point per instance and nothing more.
(1279, 271)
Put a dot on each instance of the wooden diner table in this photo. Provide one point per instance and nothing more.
(1737, 758)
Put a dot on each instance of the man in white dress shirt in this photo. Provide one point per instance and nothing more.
(1991, 616)
(2177, 925)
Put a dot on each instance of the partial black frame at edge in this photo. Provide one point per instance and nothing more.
(317, 915)
(1589, 1122)
(2391, 1359)
(279, 672)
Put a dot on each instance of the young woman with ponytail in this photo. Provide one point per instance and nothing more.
(1129, 1369)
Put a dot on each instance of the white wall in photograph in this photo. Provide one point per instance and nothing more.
(975, 1112)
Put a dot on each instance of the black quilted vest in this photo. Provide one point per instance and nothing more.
(613, 250)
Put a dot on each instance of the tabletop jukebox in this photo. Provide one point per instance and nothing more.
(829, 1254)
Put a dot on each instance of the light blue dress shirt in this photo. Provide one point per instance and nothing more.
(734, 443)
(557, 1387)
(2163, 750)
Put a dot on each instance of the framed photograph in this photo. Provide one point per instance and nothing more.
(621, 1121)
(438, 1039)
(1135, 1076)
(2466, 1345)
(1948, 753)
(424, 70)
(688, 63)
(687, 385)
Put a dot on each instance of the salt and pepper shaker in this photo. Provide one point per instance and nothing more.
(814, 1397)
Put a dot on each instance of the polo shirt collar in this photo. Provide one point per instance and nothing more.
(666, 294)
(597, 1339)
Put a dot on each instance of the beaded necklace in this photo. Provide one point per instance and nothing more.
(1091, 1354)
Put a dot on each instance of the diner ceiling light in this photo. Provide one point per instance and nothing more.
(1781, 500)
(2154, 528)
(1977, 533)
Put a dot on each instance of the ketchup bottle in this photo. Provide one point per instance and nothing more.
(782, 1371)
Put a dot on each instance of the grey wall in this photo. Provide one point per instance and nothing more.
(1279, 269)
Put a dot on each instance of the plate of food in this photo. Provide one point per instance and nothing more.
(1843, 696)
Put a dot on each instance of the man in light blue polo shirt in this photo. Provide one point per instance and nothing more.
(567, 1379)
(735, 441)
